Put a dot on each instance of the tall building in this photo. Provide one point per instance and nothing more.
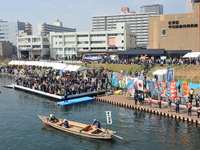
(138, 23)
(66, 44)
(156, 8)
(190, 5)
(176, 31)
(45, 29)
(9, 31)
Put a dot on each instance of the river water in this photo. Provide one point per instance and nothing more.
(21, 129)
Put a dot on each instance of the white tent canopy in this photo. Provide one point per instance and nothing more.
(192, 55)
(74, 68)
(160, 72)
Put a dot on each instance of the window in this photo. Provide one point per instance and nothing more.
(164, 32)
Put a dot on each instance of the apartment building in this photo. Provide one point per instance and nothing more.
(138, 23)
(66, 44)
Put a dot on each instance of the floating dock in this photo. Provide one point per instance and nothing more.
(75, 101)
(53, 96)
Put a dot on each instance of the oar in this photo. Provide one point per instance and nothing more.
(121, 138)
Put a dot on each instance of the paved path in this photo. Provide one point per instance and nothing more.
(129, 102)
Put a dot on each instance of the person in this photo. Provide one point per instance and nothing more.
(177, 106)
(170, 105)
(159, 102)
(150, 101)
(197, 100)
(96, 123)
(64, 124)
(191, 93)
(189, 106)
(52, 117)
(198, 111)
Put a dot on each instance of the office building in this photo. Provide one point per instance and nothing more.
(155, 8)
(67, 44)
(176, 31)
(45, 29)
(9, 31)
(33, 46)
(190, 5)
(138, 23)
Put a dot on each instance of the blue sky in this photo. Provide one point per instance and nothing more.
(75, 13)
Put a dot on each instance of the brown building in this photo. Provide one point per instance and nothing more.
(176, 31)
(6, 49)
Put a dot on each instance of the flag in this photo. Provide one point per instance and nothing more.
(140, 85)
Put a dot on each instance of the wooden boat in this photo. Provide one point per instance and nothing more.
(80, 129)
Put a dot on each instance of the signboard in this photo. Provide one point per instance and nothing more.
(108, 116)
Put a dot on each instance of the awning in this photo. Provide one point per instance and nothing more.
(160, 72)
(192, 55)
(74, 68)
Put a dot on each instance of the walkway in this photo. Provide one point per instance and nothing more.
(164, 111)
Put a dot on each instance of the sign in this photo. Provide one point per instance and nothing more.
(173, 89)
(108, 116)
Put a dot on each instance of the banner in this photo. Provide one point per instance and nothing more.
(185, 88)
(123, 82)
(108, 116)
(173, 89)
(140, 85)
(170, 74)
(150, 85)
(130, 83)
(162, 86)
(115, 79)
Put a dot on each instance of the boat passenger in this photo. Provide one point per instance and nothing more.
(52, 117)
(65, 123)
(96, 123)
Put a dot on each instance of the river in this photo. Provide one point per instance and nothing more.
(21, 129)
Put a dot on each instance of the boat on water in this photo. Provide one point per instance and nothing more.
(80, 129)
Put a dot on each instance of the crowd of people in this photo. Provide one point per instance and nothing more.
(53, 82)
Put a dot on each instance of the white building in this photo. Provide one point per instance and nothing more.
(45, 29)
(66, 44)
(138, 23)
(9, 31)
(33, 46)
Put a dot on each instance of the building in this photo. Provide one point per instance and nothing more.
(156, 8)
(176, 31)
(6, 49)
(138, 23)
(45, 28)
(9, 31)
(190, 5)
(66, 44)
(33, 46)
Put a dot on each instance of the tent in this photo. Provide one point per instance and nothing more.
(74, 68)
(192, 55)
(160, 74)
(144, 57)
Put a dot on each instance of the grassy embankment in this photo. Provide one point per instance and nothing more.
(191, 72)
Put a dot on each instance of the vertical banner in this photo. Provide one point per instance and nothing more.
(108, 116)
(115, 79)
(170, 74)
(173, 89)
(152, 88)
(161, 88)
(130, 83)
(185, 88)
(140, 85)
(123, 82)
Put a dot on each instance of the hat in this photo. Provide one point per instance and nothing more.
(64, 120)
(51, 115)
